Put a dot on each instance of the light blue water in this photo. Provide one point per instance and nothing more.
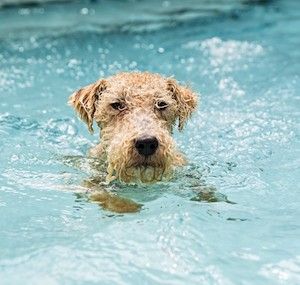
(243, 140)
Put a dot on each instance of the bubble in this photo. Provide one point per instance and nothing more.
(84, 11)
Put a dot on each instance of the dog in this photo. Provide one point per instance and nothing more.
(136, 113)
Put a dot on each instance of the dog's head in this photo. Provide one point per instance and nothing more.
(136, 113)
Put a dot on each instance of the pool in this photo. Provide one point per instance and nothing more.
(243, 141)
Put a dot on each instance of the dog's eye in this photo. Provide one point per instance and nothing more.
(118, 106)
(162, 105)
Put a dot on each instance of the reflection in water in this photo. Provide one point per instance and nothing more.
(119, 198)
(108, 200)
(210, 195)
(108, 196)
(114, 203)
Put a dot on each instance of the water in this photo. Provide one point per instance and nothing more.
(243, 141)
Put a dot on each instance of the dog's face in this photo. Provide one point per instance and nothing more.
(136, 113)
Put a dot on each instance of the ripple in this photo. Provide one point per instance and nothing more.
(287, 270)
(17, 123)
(43, 180)
(132, 17)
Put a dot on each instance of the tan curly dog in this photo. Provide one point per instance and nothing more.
(136, 113)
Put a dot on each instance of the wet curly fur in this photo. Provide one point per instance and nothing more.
(131, 105)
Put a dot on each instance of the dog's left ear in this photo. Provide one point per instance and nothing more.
(85, 99)
(186, 100)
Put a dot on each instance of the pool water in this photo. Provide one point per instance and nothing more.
(243, 141)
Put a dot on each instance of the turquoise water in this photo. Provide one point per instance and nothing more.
(243, 141)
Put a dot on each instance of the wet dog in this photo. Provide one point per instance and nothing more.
(136, 113)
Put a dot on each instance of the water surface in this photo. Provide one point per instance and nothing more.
(243, 141)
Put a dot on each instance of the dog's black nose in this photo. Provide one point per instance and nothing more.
(146, 146)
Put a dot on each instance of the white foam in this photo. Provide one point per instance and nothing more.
(285, 270)
(224, 53)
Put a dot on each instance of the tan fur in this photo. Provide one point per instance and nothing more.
(140, 94)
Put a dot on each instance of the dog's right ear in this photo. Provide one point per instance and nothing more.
(85, 99)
